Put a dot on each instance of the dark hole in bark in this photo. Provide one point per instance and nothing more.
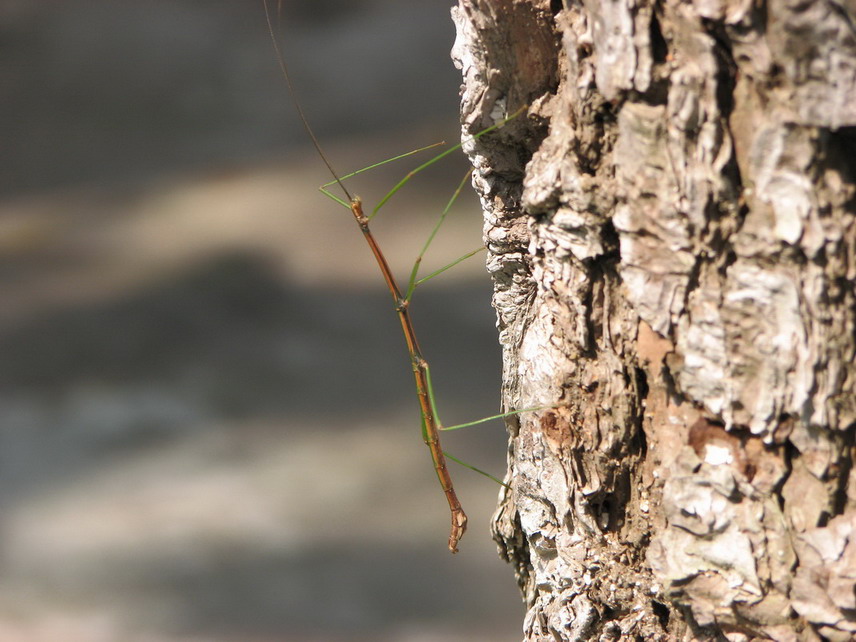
(841, 143)
(638, 441)
(611, 631)
(659, 47)
(839, 500)
(607, 614)
(662, 613)
(789, 453)
(610, 237)
(605, 517)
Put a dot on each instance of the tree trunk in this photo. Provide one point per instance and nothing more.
(672, 242)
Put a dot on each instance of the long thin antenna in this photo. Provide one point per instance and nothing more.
(293, 93)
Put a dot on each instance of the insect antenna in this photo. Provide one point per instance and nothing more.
(293, 94)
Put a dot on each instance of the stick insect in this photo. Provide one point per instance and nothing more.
(431, 426)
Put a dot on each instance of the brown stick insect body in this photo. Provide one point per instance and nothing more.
(430, 425)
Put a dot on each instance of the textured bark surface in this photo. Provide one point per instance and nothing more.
(672, 241)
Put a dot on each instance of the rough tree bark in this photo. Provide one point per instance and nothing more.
(672, 242)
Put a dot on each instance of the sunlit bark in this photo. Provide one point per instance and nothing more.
(672, 241)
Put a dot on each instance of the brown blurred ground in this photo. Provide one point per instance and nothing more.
(206, 414)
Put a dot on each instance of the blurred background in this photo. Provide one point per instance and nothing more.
(207, 423)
